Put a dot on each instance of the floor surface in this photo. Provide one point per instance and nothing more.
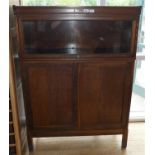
(93, 145)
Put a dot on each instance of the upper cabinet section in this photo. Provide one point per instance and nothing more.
(83, 31)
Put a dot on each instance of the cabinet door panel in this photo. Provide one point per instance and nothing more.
(102, 89)
(51, 94)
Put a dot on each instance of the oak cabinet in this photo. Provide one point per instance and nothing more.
(77, 69)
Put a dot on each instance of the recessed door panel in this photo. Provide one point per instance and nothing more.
(102, 89)
(51, 94)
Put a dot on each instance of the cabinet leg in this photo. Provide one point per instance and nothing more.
(30, 142)
(125, 138)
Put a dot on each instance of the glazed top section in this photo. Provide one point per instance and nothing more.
(84, 31)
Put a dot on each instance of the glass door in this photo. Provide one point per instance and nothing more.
(86, 37)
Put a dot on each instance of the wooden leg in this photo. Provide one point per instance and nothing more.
(125, 138)
(30, 141)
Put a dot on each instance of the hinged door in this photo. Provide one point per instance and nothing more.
(103, 94)
(50, 93)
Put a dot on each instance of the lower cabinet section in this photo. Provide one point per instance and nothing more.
(77, 98)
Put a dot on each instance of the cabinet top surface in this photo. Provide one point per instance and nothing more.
(117, 10)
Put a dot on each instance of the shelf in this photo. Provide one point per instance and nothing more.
(73, 51)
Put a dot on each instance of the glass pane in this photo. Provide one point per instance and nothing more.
(73, 37)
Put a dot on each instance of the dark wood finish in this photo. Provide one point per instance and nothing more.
(125, 138)
(102, 87)
(53, 84)
(80, 90)
(73, 12)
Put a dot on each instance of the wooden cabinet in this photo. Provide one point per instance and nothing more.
(77, 69)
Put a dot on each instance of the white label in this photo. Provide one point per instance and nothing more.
(84, 10)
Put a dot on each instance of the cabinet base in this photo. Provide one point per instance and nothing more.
(48, 133)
